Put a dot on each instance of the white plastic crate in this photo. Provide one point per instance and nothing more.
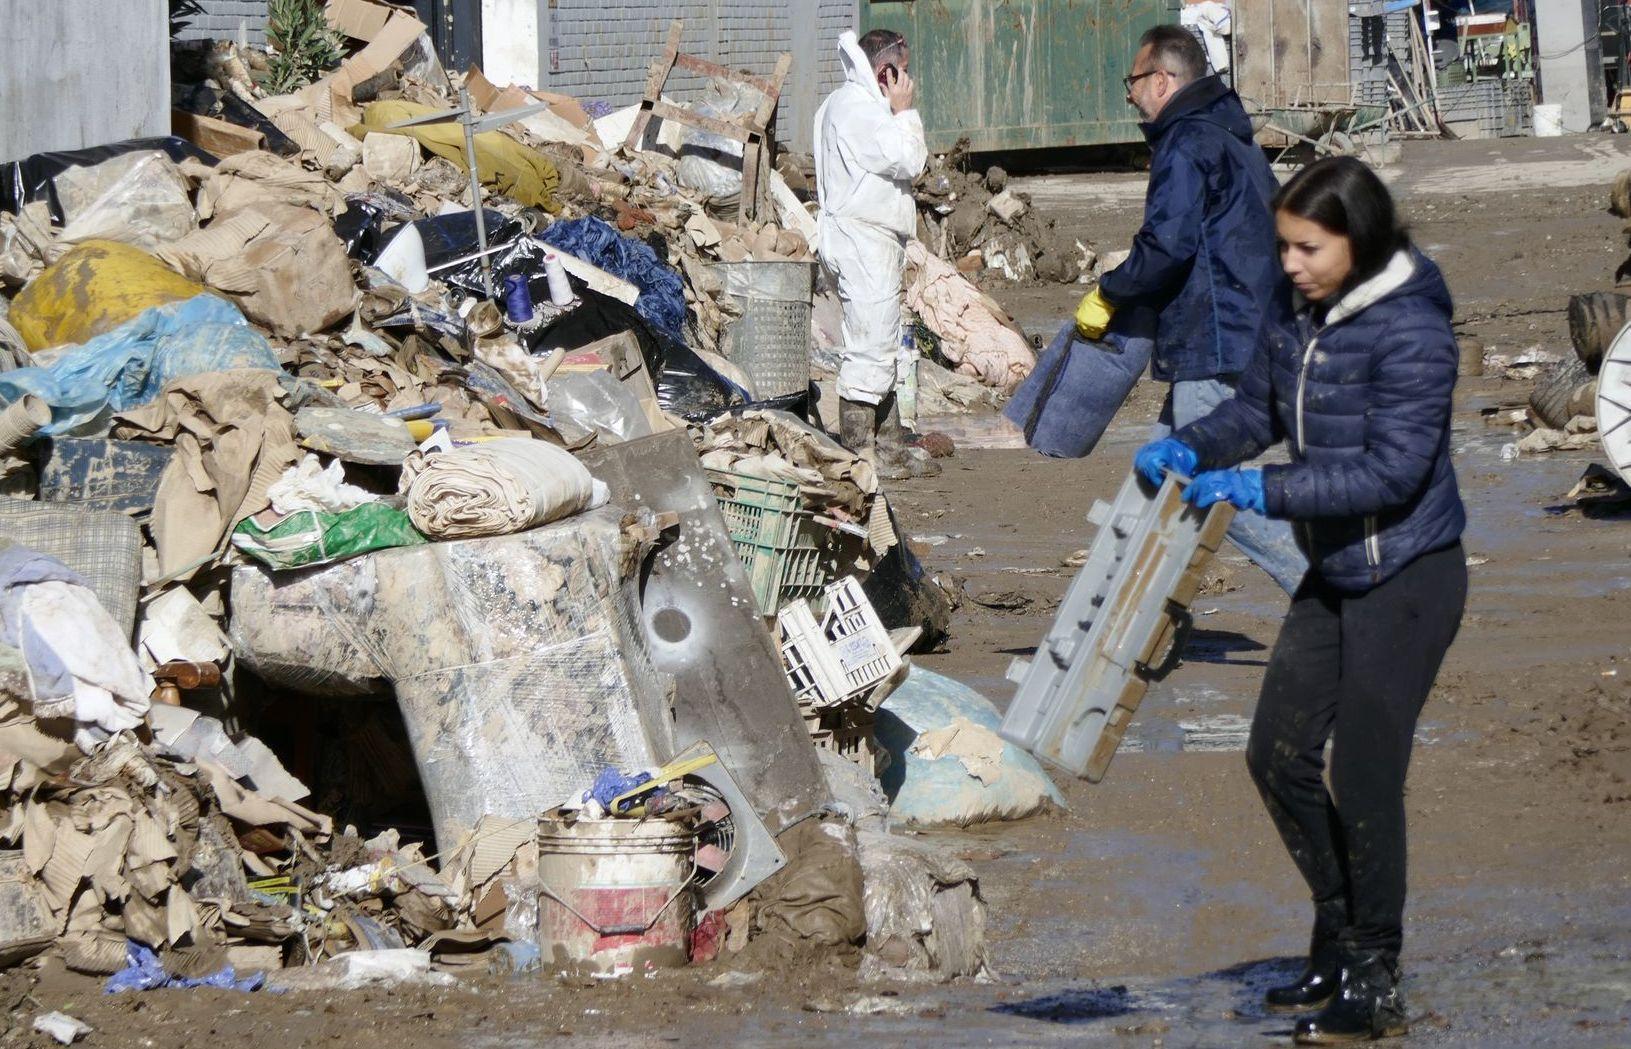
(848, 654)
(813, 669)
(862, 645)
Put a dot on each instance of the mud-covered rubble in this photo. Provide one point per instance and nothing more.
(293, 338)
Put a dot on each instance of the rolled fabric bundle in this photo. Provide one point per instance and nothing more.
(503, 486)
(21, 420)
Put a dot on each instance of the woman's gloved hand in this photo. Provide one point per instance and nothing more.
(1243, 488)
(1156, 458)
(1093, 315)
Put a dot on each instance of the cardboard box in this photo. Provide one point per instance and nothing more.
(215, 137)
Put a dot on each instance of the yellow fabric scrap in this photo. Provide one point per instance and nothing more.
(505, 164)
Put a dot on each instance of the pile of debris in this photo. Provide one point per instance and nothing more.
(983, 226)
(500, 424)
(1562, 409)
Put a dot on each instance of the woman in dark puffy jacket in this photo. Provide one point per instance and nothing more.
(1355, 369)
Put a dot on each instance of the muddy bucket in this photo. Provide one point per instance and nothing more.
(615, 896)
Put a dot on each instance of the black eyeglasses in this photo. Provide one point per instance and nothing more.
(1134, 78)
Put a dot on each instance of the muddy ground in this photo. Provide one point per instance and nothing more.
(1155, 910)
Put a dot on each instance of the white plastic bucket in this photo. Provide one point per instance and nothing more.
(615, 895)
(1548, 120)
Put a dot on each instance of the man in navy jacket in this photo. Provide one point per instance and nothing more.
(1204, 265)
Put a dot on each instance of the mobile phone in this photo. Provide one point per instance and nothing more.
(886, 74)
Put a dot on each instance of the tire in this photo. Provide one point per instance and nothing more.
(1555, 388)
(1594, 319)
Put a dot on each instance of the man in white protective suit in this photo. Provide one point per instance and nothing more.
(868, 148)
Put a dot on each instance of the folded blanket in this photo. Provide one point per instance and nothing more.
(496, 488)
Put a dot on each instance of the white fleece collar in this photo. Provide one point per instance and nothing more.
(1394, 276)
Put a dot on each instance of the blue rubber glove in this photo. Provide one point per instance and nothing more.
(1156, 458)
(1243, 488)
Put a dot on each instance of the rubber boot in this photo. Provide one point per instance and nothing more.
(858, 428)
(1366, 1006)
(896, 462)
(1319, 980)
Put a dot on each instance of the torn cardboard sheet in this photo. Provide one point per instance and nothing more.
(977, 747)
(251, 179)
(233, 439)
(564, 122)
(281, 264)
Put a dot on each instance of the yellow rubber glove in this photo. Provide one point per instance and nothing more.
(1093, 315)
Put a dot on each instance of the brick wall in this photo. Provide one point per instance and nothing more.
(602, 48)
(221, 19)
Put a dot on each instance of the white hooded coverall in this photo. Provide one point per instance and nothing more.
(866, 158)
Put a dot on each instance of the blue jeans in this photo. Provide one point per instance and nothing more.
(1271, 545)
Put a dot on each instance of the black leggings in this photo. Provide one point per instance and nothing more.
(1355, 669)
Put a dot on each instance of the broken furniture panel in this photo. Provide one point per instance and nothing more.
(1122, 625)
(702, 625)
(754, 136)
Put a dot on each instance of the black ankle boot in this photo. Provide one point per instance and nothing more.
(1315, 986)
(1367, 1004)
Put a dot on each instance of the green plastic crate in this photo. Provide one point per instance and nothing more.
(782, 547)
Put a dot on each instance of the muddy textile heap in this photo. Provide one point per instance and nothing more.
(278, 441)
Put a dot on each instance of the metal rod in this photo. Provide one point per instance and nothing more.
(462, 259)
(475, 189)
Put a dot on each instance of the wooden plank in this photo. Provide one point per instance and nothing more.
(669, 111)
(693, 64)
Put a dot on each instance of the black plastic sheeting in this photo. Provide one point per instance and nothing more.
(686, 385)
(30, 179)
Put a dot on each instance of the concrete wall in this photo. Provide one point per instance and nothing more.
(76, 73)
(222, 20)
(1570, 61)
(602, 49)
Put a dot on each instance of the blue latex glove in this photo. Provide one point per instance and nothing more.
(1243, 488)
(1156, 458)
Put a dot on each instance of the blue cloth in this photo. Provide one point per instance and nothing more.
(1074, 391)
(662, 293)
(612, 784)
(130, 365)
(1205, 259)
(144, 972)
(1243, 488)
(1367, 417)
(1163, 454)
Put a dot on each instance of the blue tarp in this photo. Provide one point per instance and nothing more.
(662, 293)
(144, 972)
(130, 365)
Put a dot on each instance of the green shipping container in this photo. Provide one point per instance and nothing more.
(1021, 74)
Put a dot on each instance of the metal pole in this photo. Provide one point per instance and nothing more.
(475, 189)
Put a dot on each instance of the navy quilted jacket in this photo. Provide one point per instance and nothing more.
(1364, 400)
(1203, 264)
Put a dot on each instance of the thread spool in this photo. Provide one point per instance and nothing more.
(560, 289)
(517, 300)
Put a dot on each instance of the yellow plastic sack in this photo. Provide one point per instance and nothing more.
(92, 290)
(505, 164)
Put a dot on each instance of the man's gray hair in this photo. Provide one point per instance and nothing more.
(881, 46)
(1175, 50)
